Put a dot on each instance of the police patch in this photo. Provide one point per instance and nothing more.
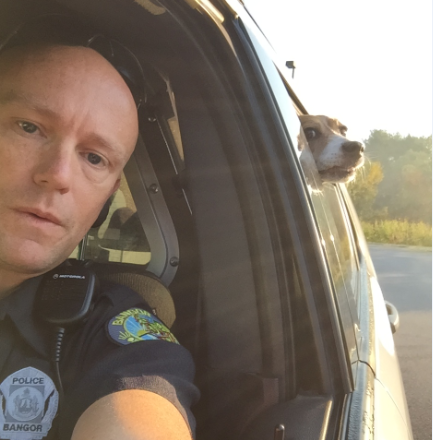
(29, 402)
(136, 325)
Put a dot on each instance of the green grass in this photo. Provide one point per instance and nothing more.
(398, 232)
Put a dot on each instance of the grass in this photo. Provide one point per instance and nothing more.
(398, 232)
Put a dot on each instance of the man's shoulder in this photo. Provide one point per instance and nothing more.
(127, 290)
(118, 293)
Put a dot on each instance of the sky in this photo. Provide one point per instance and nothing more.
(368, 63)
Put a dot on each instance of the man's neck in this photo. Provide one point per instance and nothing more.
(9, 281)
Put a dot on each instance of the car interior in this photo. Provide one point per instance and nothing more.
(198, 229)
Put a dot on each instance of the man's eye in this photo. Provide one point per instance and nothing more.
(28, 127)
(311, 133)
(94, 159)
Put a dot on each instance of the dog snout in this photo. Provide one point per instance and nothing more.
(353, 147)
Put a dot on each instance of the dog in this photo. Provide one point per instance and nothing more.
(337, 158)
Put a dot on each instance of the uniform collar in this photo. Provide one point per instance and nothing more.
(19, 307)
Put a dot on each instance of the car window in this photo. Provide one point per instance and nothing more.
(335, 229)
(338, 245)
(337, 240)
(121, 237)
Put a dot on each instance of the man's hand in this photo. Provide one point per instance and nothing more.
(131, 415)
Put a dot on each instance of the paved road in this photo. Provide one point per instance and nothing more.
(405, 275)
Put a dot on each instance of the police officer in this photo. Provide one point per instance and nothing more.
(68, 124)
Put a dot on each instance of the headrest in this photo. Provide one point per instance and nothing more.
(150, 288)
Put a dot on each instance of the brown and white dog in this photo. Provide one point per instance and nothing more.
(337, 158)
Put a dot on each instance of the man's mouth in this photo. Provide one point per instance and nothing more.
(40, 216)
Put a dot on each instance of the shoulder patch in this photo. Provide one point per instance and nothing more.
(134, 325)
(29, 402)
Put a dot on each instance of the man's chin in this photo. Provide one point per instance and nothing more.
(31, 258)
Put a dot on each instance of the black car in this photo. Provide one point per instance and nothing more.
(272, 288)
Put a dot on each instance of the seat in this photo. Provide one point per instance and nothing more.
(156, 295)
(128, 233)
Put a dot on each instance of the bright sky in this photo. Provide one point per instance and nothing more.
(367, 63)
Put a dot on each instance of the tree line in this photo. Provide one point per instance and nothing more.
(396, 180)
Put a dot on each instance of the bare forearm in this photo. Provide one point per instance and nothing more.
(131, 415)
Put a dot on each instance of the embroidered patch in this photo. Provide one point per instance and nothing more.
(29, 402)
(135, 325)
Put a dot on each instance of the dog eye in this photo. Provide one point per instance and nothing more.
(311, 133)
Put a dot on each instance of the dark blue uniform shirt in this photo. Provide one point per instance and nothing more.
(104, 355)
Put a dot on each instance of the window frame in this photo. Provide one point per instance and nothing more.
(347, 356)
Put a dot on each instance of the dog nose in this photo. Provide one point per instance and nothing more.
(353, 147)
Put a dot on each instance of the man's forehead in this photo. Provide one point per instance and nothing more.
(11, 96)
(56, 89)
(65, 66)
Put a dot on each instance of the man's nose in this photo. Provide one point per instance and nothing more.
(55, 169)
(353, 147)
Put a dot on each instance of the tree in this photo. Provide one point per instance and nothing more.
(406, 189)
(363, 191)
(408, 193)
(385, 148)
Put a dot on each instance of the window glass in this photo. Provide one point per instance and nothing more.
(336, 239)
(338, 245)
(121, 237)
(334, 226)
(345, 247)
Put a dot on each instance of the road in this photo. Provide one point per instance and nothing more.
(405, 275)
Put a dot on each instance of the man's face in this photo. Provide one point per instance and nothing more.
(68, 125)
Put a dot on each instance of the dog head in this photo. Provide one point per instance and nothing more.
(337, 158)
